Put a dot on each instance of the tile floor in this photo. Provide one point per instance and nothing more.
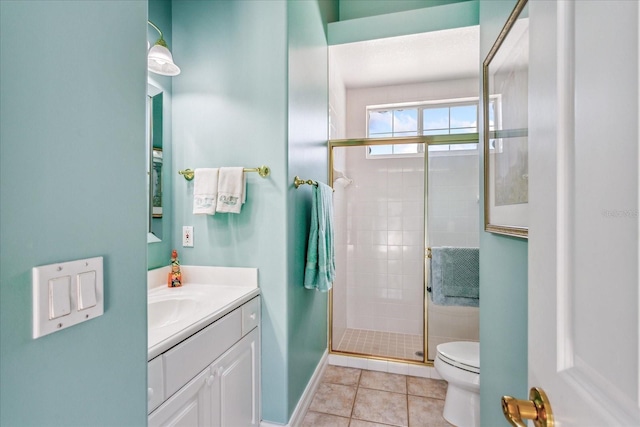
(383, 344)
(350, 397)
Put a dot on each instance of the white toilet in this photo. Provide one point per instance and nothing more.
(459, 364)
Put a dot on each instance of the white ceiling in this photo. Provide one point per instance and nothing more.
(438, 55)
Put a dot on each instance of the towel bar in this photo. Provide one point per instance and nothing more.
(298, 182)
(263, 171)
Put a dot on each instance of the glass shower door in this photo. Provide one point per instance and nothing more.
(452, 220)
(378, 296)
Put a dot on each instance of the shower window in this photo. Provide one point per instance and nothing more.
(428, 118)
(394, 123)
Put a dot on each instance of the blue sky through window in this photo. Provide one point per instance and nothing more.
(446, 118)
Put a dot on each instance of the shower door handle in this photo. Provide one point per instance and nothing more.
(537, 409)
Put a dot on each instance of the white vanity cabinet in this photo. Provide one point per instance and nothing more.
(236, 384)
(213, 377)
(190, 406)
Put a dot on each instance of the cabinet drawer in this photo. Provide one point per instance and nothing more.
(185, 360)
(250, 315)
(156, 390)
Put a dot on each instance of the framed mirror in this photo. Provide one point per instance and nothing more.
(505, 77)
(154, 163)
(156, 183)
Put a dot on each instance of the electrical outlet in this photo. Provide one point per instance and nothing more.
(187, 236)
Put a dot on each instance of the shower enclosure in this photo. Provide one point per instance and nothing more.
(387, 213)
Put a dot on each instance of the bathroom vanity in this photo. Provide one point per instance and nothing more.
(204, 348)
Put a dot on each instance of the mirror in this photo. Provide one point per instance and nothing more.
(505, 74)
(154, 163)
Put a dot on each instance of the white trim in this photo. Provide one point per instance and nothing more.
(410, 369)
(420, 103)
(305, 399)
(638, 379)
(565, 187)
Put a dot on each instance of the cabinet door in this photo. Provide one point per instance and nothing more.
(236, 391)
(189, 407)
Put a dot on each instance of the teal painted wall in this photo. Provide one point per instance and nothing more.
(159, 253)
(230, 110)
(307, 151)
(503, 281)
(446, 16)
(253, 91)
(72, 186)
(353, 9)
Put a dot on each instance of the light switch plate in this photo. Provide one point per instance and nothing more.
(66, 293)
(187, 236)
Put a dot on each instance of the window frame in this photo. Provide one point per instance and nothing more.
(420, 107)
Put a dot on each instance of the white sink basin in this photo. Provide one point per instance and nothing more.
(207, 294)
(165, 311)
(166, 306)
(175, 313)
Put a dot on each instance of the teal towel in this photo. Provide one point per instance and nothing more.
(454, 276)
(320, 269)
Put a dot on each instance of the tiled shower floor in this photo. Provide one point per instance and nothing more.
(383, 344)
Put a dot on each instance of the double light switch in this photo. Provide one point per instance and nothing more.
(65, 294)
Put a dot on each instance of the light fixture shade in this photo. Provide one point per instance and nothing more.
(160, 61)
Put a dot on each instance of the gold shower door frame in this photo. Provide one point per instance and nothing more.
(468, 138)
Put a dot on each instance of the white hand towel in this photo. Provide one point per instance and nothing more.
(231, 190)
(205, 191)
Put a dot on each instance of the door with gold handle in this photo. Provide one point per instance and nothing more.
(537, 408)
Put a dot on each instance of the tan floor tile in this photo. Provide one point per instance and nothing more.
(384, 381)
(381, 407)
(427, 387)
(316, 419)
(341, 375)
(333, 399)
(360, 423)
(424, 411)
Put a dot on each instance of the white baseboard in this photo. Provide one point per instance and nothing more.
(305, 399)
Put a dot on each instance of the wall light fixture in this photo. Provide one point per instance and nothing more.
(159, 59)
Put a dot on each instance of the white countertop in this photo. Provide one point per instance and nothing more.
(208, 293)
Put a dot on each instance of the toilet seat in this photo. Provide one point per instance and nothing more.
(463, 355)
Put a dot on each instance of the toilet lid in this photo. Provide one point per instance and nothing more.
(464, 354)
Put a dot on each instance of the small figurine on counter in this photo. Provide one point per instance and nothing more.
(175, 276)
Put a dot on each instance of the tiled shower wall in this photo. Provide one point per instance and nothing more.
(453, 221)
(378, 206)
(339, 300)
(384, 232)
(453, 198)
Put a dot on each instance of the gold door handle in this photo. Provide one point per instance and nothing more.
(537, 409)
